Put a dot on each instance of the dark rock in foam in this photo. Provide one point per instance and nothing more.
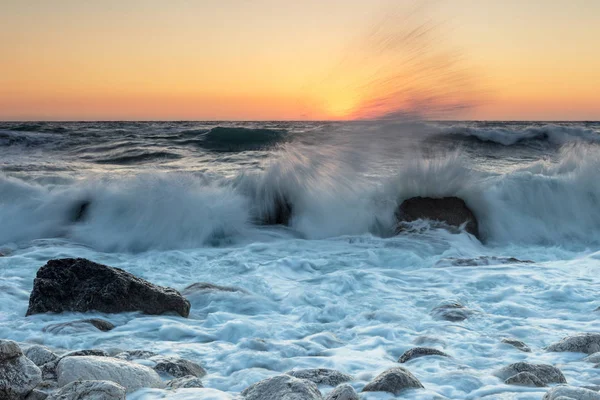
(420, 352)
(394, 380)
(448, 210)
(588, 343)
(81, 285)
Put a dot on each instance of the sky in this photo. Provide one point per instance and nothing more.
(298, 60)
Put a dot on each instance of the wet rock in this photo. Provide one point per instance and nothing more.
(420, 352)
(282, 387)
(570, 393)
(18, 374)
(394, 380)
(517, 344)
(594, 358)
(49, 369)
(135, 355)
(525, 379)
(79, 325)
(177, 367)
(90, 389)
(185, 382)
(37, 394)
(448, 210)
(321, 376)
(40, 355)
(544, 372)
(82, 285)
(479, 261)
(588, 343)
(127, 374)
(205, 287)
(451, 311)
(343, 392)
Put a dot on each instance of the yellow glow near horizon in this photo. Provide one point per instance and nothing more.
(271, 59)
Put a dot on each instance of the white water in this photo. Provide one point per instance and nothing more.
(327, 291)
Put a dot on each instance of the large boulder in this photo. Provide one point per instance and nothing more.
(451, 211)
(343, 392)
(544, 372)
(282, 387)
(81, 285)
(394, 380)
(588, 343)
(127, 374)
(570, 393)
(18, 374)
(321, 376)
(49, 368)
(90, 390)
(420, 352)
(40, 355)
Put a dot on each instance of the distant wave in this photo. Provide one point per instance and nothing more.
(239, 139)
(138, 157)
(555, 134)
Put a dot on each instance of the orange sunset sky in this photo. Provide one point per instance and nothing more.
(283, 59)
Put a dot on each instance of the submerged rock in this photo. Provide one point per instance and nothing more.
(127, 374)
(91, 389)
(588, 343)
(185, 383)
(394, 380)
(18, 374)
(517, 344)
(82, 285)
(525, 379)
(321, 376)
(594, 358)
(451, 311)
(40, 355)
(205, 287)
(448, 210)
(343, 392)
(570, 393)
(82, 324)
(479, 261)
(420, 352)
(177, 367)
(544, 372)
(282, 387)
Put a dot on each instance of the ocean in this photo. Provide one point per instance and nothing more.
(336, 287)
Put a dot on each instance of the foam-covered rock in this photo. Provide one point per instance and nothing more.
(80, 325)
(525, 379)
(18, 374)
(343, 392)
(517, 344)
(40, 355)
(185, 383)
(544, 372)
(451, 311)
(570, 393)
(90, 389)
(205, 287)
(127, 374)
(420, 352)
(588, 343)
(282, 387)
(321, 376)
(77, 284)
(394, 380)
(448, 210)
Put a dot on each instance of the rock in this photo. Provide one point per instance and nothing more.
(203, 287)
(83, 324)
(420, 352)
(37, 394)
(588, 343)
(343, 392)
(82, 285)
(597, 309)
(517, 344)
(49, 369)
(394, 380)
(479, 261)
(525, 379)
(135, 355)
(594, 358)
(544, 372)
(570, 393)
(451, 311)
(177, 367)
(40, 355)
(90, 389)
(321, 376)
(449, 210)
(127, 374)
(185, 382)
(18, 374)
(282, 387)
